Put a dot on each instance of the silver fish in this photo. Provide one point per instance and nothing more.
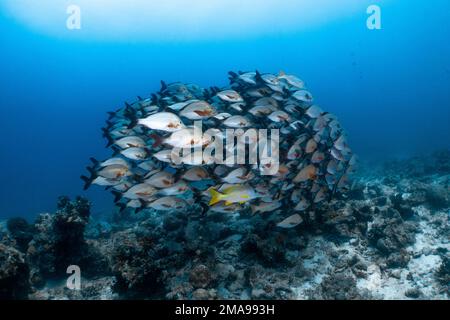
(168, 203)
(130, 141)
(161, 179)
(237, 122)
(196, 174)
(303, 96)
(198, 110)
(230, 96)
(164, 121)
(114, 171)
(140, 191)
(134, 153)
(291, 221)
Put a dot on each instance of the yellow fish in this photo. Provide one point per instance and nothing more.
(234, 194)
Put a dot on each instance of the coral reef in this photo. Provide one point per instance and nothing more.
(388, 238)
(14, 274)
(59, 242)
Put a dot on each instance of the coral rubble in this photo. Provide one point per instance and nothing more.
(387, 239)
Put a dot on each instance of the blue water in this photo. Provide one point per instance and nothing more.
(389, 88)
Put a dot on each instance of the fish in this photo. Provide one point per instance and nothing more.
(100, 181)
(279, 116)
(198, 110)
(161, 179)
(233, 194)
(163, 159)
(317, 157)
(187, 138)
(196, 174)
(135, 153)
(164, 121)
(307, 173)
(259, 92)
(175, 189)
(311, 146)
(265, 207)
(222, 116)
(295, 152)
(180, 105)
(230, 96)
(111, 161)
(130, 141)
(340, 144)
(223, 208)
(168, 203)
(292, 80)
(262, 110)
(248, 77)
(237, 122)
(320, 195)
(302, 204)
(314, 111)
(114, 171)
(164, 155)
(267, 101)
(239, 175)
(290, 222)
(147, 165)
(140, 191)
(303, 96)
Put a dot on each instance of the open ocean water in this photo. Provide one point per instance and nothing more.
(388, 87)
(381, 66)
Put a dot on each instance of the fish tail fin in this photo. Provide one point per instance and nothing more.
(91, 171)
(111, 114)
(105, 132)
(130, 114)
(163, 86)
(122, 206)
(258, 77)
(127, 106)
(154, 98)
(232, 75)
(116, 151)
(215, 197)
(117, 196)
(109, 138)
(134, 121)
(87, 182)
(138, 179)
(94, 161)
(142, 207)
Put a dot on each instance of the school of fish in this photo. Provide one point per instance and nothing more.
(315, 161)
